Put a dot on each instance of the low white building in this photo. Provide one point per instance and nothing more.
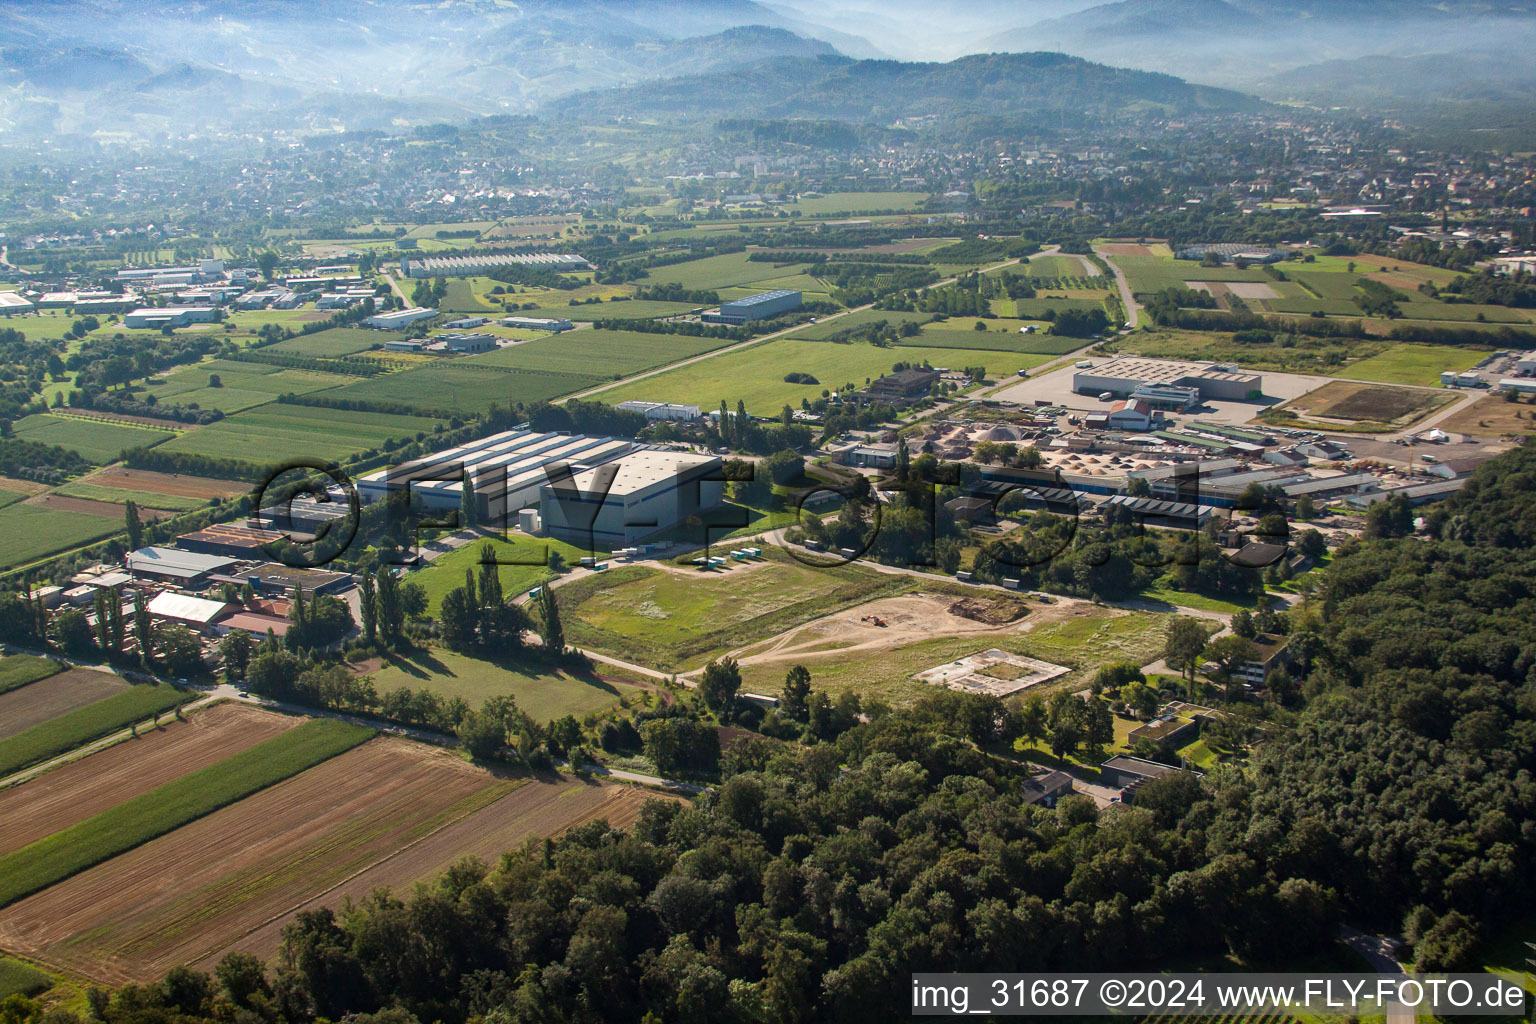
(399, 319)
(661, 410)
(537, 323)
(170, 316)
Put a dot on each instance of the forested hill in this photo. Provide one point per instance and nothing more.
(884, 91)
(816, 878)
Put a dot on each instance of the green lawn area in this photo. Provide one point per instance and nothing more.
(338, 341)
(145, 499)
(28, 532)
(714, 272)
(859, 202)
(756, 375)
(447, 571)
(95, 440)
(544, 693)
(1413, 364)
(673, 620)
(630, 309)
(11, 498)
(68, 731)
(1163, 590)
(834, 325)
(276, 432)
(140, 819)
(1000, 335)
(1083, 643)
(1154, 273)
(21, 669)
(455, 385)
(588, 353)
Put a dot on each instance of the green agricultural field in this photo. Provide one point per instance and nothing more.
(68, 731)
(587, 353)
(277, 431)
(242, 385)
(446, 572)
(859, 202)
(144, 499)
(144, 817)
(11, 498)
(1041, 308)
(29, 532)
(837, 324)
(1413, 364)
(96, 441)
(680, 619)
(720, 272)
(21, 669)
(19, 979)
(544, 693)
(460, 386)
(756, 375)
(1154, 273)
(338, 341)
(994, 340)
(630, 309)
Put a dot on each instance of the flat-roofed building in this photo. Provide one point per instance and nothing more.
(399, 319)
(661, 410)
(194, 612)
(15, 302)
(184, 567)
(538, 323)
(228, 539)
(170, 316)
(1147, 378)
(643, 493)
(458, 342)
(754, 307)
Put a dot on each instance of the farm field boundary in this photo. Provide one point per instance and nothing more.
(68, 731)
(172, 805)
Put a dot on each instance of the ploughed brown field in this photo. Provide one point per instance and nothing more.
(178, 484)
(89, 506)
(59, 694)
(60, 798)
(390, 812)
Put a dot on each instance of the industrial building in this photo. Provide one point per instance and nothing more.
(186, 568)
(228, 539)
(170, 316)
(473, 266)
(1157, 381)
(1231, 251)
(11, 302)
(754, 307)
(400, 318)
(643, 493)
(564, 477)
(458, 342)
(661, 410)
(538, 323)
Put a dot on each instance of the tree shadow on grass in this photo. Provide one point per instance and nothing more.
(418, 663)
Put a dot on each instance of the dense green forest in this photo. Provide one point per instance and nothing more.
(816, 878)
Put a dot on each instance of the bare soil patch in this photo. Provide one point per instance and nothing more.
(367, 815)
(533, 810)
(180, 485)
(1124, 249)
(59, 694)
(70, 794)
(60, 503)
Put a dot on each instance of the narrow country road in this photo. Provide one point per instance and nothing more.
(1132, 311)
(1380, 953)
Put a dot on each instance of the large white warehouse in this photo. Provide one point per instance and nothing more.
(516, 469)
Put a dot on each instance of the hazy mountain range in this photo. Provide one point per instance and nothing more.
(137, 67)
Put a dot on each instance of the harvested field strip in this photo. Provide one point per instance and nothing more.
(71, 794)
(190, 893)
(179, 484)
(33, 705)
(144, 499)
(68, 731)
(172, 805)
(21, 669)
(532, 810)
